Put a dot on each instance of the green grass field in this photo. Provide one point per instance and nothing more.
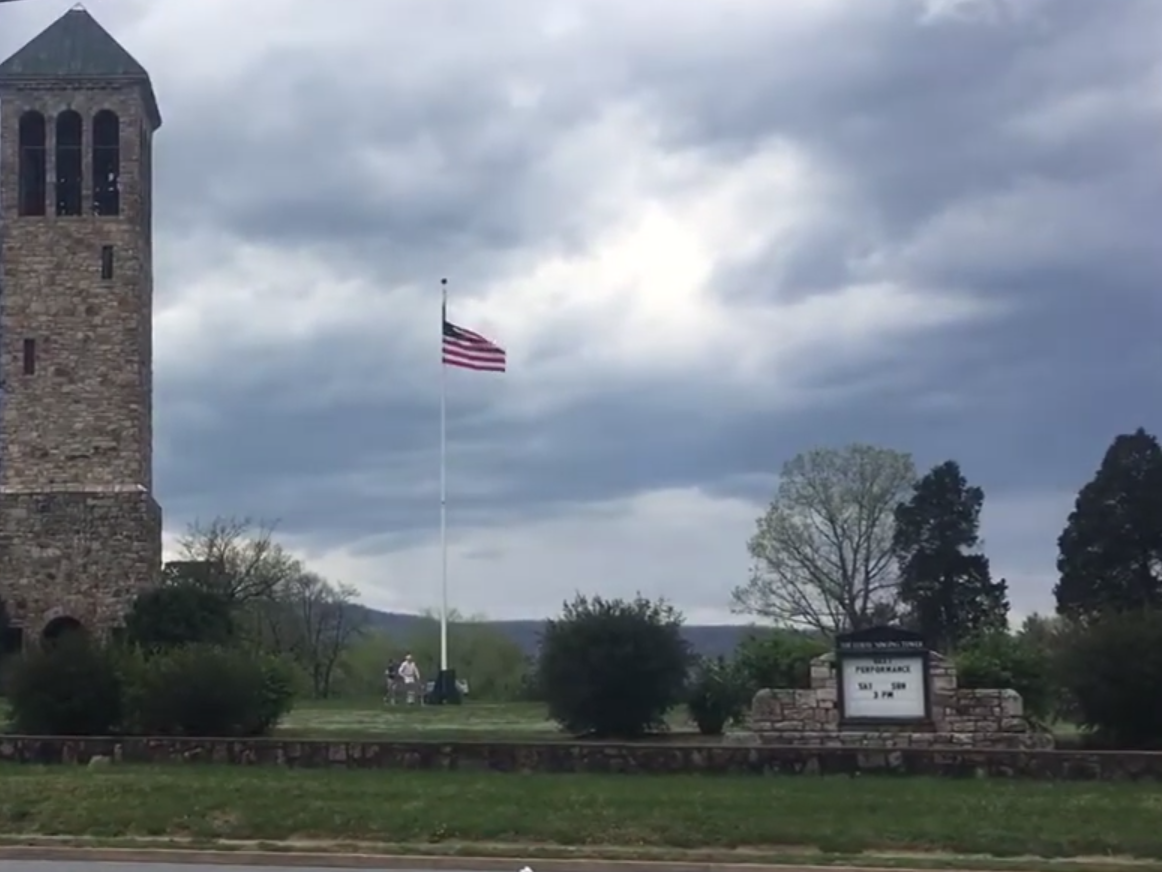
(977, 817)
(371, 719)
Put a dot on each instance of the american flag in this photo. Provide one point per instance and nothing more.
(469, 350)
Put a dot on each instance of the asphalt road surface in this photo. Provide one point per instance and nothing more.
(75, 866)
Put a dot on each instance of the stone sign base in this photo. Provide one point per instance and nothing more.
(961, 718)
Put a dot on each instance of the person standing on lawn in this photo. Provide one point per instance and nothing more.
(409, 673)
(390, 682)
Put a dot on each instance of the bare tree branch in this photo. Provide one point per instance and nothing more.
(246, 563)
(313, 621)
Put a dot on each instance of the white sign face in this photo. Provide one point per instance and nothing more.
(883, 687)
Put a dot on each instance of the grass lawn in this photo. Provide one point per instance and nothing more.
(980, 817)
(371, 719)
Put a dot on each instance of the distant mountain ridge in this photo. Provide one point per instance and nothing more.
(709, 640)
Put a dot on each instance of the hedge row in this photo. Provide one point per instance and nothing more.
(79, 688)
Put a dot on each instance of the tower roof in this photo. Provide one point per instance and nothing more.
(74, 49)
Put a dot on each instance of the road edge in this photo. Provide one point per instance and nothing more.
(327, 860)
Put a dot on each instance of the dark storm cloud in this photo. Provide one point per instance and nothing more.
(1014, 160)
(920, 122)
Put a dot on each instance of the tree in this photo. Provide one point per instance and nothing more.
(1002, 661)
(946, 588)
(313, 621)
(240, 557)
(778, 658)
(178, 614)
(1110, 553)
(611, 668)
(823, 551)
(483, 655)
(1112, 669)
(494, 666)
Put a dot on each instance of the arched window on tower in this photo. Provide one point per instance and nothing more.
(106, 163)
(33, 168)
(70, 162)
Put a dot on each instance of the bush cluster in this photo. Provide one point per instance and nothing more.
(1100, 675)
(78, 687)
(616, 669)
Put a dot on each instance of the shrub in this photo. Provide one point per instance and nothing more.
(71, 688)
(1113, 670)
(205, 690)
(1002, 661)
(717, 695)
(280, 686)
(179, 614)
(530, 689)
(778, 659)
(611, 668)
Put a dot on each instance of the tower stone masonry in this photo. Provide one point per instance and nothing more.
(80, 530)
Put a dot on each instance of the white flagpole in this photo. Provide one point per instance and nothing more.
(443, 484)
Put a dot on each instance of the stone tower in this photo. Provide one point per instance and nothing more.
(80, 530)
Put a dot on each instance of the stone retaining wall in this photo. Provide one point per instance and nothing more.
(660, 758)
(961, 717)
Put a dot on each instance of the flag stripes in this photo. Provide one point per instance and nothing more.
(469, 350)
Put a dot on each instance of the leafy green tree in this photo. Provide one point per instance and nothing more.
(611, 668)
(778, 658)
(1113, 668)
(179, 614)
(823, 550)
(945, 586)
(1048, 636)
(1110, 553)
(999, 660)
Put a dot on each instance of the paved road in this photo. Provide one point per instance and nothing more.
(384, 864)
(102, 866)
(74, 866)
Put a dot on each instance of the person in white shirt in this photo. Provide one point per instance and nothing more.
(409, 674)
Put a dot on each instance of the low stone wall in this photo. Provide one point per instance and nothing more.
(902, 739)
(662, 758)
(988, 718)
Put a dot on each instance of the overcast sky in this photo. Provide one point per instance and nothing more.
(710, 233)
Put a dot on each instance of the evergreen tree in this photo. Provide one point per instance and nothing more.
(946, 587)
(1110, 553)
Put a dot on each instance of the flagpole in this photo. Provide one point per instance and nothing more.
(443, 485)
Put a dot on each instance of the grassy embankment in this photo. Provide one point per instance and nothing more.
(557, 813)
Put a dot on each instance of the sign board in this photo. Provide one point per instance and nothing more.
(884, 688)
(883, 675)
